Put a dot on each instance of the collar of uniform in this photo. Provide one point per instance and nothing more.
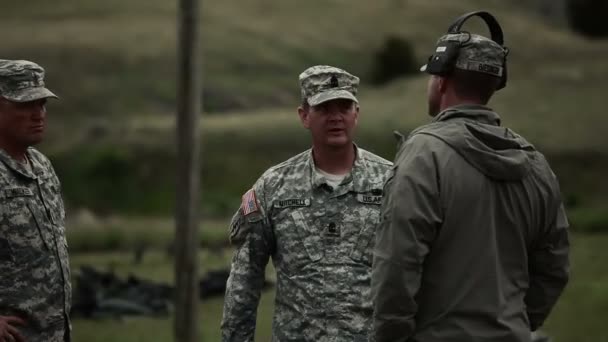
(316, 180)
(358, 175)
(475, 112)
(37, 167)
(18, 167)
(355, 180)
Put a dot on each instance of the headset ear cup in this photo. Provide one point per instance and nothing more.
(503, 79)
(443, 61)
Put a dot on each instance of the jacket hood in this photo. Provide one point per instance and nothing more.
(474, 131)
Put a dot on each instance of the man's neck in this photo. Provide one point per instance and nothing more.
(451, 102)
(334, 160)
(19, 154)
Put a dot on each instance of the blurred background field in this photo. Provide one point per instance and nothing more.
(111, 137)
(579, 316)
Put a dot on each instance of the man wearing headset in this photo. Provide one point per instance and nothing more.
(473, 240)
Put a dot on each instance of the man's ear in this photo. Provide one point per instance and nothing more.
(356, 113)
(304, 115)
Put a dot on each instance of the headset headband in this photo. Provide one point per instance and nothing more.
(491, 22)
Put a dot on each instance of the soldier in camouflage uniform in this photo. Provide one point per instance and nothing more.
(315, 215)
(35, 290)
(473, 239)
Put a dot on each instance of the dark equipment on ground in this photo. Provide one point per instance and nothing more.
(99, 294)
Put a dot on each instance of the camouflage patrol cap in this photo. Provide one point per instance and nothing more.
(477, 53)
(322, 83)
(22, 81)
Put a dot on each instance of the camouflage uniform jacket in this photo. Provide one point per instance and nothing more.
(34, 269)
(321, 243)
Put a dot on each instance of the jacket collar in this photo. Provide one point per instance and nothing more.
(474, 112)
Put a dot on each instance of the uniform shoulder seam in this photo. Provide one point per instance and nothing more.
(374, 158)
(293, 160)
(39, 156)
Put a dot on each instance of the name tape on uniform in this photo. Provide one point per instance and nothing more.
(17, 192)
(369, 199)
(292, 202)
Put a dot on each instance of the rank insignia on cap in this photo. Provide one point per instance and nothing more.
(249, 204)
(334, 82)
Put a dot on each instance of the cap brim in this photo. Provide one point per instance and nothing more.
(331, 95)
(30, 94)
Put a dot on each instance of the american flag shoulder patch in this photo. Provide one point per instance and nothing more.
(250, 203)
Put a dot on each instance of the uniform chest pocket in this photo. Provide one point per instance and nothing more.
(22, 231)
(309, 237)
(367, 218)
(51, 195)
(298, 245)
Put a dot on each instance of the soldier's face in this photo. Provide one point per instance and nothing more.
(22, 124)
(331, 123)
(433, 95)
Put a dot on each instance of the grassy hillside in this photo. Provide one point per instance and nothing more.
(132, 168)
(117, 57)
(112, 62)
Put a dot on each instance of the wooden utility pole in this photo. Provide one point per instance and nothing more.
(188, 173)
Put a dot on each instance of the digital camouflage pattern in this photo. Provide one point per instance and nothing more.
(34, 269)
(322, 83)
(22, 81)
(477, 53)
(320, 241)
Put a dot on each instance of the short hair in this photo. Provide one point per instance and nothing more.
(472, 84)
(3, 101)
(305, 105)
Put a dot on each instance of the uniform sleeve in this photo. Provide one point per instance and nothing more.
(549, 270)
(58, 190)
(411, 216)
(249, 234)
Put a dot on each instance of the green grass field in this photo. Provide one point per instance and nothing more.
(126, 234)
(157, 266)
(579, 316)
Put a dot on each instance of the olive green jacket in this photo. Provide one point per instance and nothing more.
(473, 239)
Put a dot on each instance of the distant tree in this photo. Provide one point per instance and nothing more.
(588, 17)
(394, 59)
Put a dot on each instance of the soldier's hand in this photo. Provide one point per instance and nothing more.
(8, 330)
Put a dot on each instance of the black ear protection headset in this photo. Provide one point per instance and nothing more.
(443, 61)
